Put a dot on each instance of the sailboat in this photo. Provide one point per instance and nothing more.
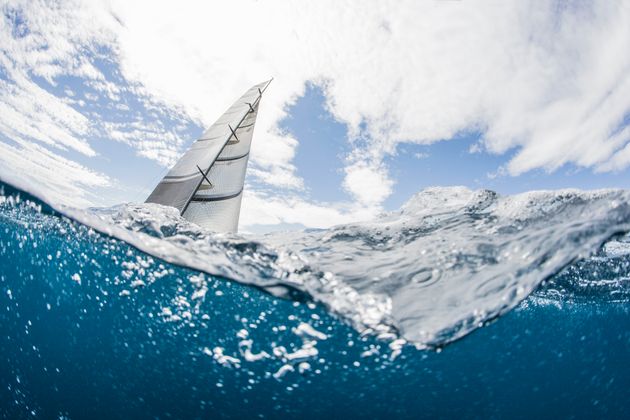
(206, 184)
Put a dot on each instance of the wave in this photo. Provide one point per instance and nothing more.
(602, 278)
(446, 263)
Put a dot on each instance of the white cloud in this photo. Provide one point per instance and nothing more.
(622, 156)
(548, 80)
(28, 111)
(261, 208)
(48, 41)
(149, 140)
(272, 160)
(52, 177)
(368, 183)
(551, 79)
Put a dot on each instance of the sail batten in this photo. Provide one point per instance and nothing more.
(213, 169)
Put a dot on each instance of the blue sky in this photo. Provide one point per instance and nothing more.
(368, 105)
(323, 145)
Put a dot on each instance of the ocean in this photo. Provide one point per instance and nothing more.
(462, 304)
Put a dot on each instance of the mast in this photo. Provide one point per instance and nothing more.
(206, 184)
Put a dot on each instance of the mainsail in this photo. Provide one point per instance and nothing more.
(206, 184)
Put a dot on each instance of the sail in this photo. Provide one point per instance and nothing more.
(206, 184)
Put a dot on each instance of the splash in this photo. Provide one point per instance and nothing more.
(449, 261)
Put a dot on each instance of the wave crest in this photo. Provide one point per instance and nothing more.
(448, 261)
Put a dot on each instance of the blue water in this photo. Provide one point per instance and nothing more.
(91, 327)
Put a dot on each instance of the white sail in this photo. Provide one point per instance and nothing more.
(206, 184)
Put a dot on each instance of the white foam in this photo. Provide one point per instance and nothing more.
(306, 330)
(284, 369)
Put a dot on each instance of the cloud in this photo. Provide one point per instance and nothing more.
(272, 160)
(549, 82)
(26, 164)
(261, 208)
(42, 43)
(28, 111)
(368, 183)
(151, 141)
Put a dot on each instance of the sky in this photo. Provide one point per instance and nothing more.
(371, 101)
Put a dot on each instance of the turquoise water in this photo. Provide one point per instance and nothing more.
(92, 327)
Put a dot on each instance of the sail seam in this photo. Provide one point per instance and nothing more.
(216, 198)
(227, 159)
